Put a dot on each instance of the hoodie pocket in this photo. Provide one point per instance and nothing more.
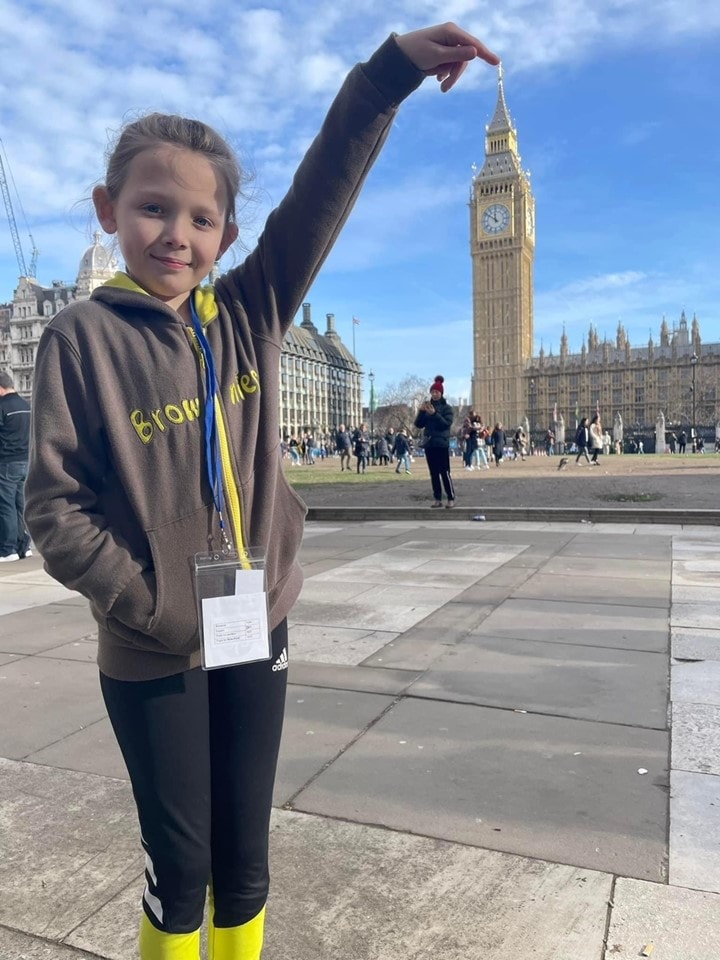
(173, 546)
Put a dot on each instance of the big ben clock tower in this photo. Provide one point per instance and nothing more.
(502, 246)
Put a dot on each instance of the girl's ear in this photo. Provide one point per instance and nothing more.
(105, 209)
(230, 235)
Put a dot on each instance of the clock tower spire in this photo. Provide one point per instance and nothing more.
(502, 247)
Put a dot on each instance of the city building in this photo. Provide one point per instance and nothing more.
(34, 305)
(675, 374)
(321, 382)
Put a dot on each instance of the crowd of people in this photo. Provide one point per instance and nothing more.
(349, 443)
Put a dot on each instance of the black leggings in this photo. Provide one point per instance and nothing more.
(201, 750)
(438, 461)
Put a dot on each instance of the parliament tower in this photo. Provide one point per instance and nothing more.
(502, 246)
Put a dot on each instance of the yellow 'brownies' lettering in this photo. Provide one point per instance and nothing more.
(145, 423)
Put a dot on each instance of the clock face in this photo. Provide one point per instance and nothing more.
(496, 218)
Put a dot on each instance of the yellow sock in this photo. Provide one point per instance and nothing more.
(237, 943)
(156, 945)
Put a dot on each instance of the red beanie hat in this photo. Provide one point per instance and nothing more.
(438, 385)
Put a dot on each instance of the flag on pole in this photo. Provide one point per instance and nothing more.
(597, 408)
(577, 414)
(555, 419)
(356, 321)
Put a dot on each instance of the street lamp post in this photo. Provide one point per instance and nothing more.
(532, 415)
(371, 378)
(693, 438)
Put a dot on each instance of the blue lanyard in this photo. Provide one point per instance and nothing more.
(212, 440)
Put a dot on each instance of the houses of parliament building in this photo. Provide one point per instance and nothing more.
(674, 373)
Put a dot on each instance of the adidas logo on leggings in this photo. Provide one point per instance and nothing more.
(282, 661)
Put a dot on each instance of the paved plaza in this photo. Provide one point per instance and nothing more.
(502, 740)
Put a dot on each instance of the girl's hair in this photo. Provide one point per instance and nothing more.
(161, 128)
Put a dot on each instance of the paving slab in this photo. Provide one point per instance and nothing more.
(599, 568)
(696, 737)
(562, 679)
(697, 595)
(701, 550)
(331, 644)
(346, 891)
(420, 646)
(319, 530)
(654, 593)
(319, 724)
(44, 627)
(111, 932)
(19, 946)
(693, 615)
(82, 650)
(696, 572)
(695, 644)
(70, 843)
(23, 596)
(505, 578)
(93, 749)
(48, 700)
(592, 623)
(637, 547)
(361, 611)
(695, 682)
(679, 924)
(695, 830)
(561, 790)
(363, 679)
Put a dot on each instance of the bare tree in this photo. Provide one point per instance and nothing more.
(409, 392)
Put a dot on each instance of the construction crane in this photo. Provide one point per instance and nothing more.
(24, 272)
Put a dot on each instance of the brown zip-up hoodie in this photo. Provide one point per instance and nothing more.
(117, 497)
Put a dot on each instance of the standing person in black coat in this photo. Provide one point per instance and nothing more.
(498, 442)
(14, 443)
(435, 416)
(582, 440)
(361, 447)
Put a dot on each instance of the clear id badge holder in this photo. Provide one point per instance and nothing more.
(232, 605)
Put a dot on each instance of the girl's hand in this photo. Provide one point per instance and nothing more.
(444, 51)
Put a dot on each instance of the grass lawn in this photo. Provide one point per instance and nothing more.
(328, 471)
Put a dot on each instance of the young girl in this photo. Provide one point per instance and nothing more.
(156, 438)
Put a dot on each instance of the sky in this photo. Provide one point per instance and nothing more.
(615, 103)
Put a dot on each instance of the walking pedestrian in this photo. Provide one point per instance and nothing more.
(343, 445)
(596, 440)
(582, 440)
(401, 451)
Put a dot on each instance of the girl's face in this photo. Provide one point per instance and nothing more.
(170, 221)
(435, 394)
